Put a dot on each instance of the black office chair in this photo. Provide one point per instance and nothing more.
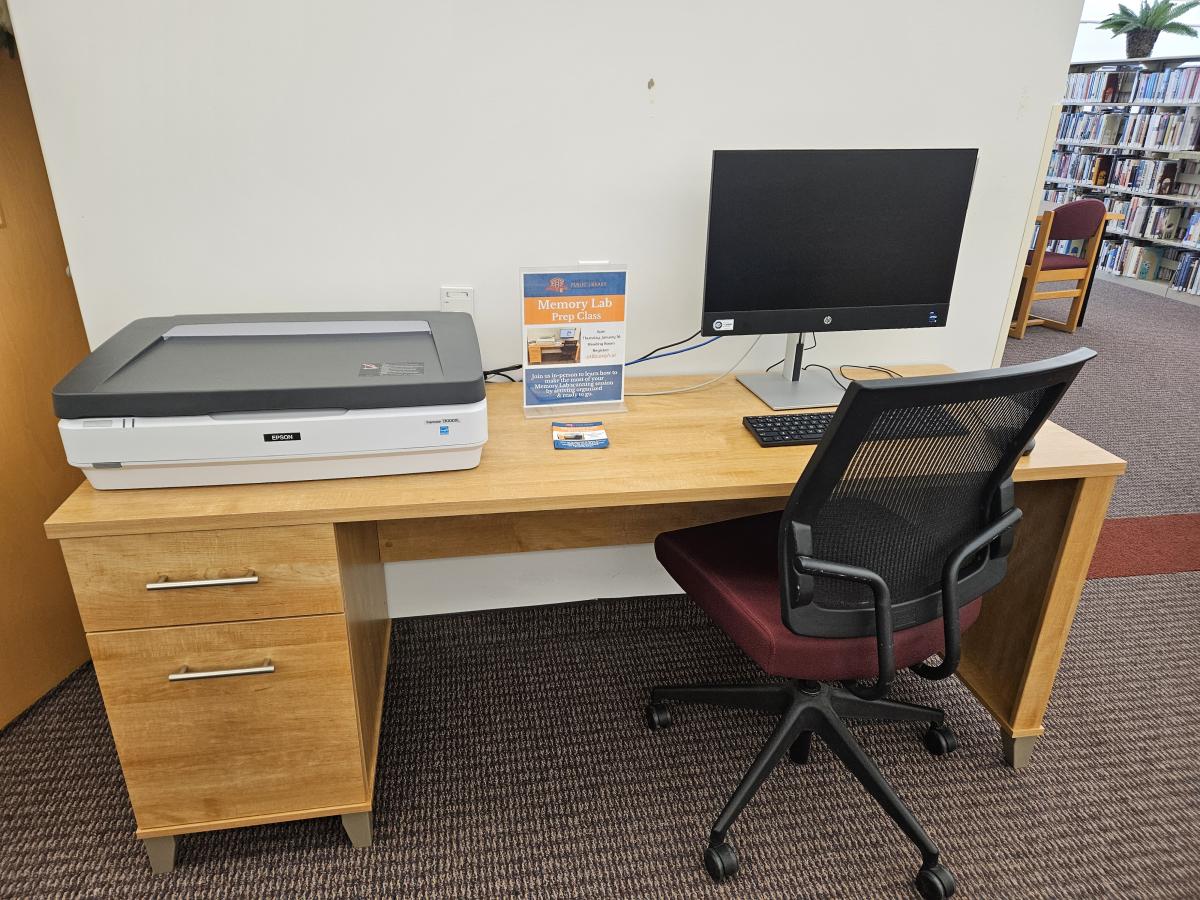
(901, 521)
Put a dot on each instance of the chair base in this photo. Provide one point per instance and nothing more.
(806, 708)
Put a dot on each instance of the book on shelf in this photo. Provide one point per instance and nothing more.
(1139, 210)
(1129, 84)
(1162, 222)
(1186, 276)
(1163, 176)
(1111, 89)
(1148, 262)
(1078, 166)
(1067, 248)
(1133, 260)
(1182, 83)
(1090, 127)
(1108, 128)
(1153, 176)
(1190, 232)
(1108, 84)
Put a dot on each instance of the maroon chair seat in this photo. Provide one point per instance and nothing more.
(731, 571)
(1057, 261)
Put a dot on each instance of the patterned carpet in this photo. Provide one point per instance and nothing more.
(1139, 398)
(514, 761)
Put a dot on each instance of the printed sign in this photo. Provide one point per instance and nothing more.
(574, 332)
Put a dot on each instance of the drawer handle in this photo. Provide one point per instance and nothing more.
(185, 674)
(164, 584)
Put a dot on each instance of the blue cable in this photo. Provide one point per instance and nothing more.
(674, 352)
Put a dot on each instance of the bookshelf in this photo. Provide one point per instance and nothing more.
(1129, 135)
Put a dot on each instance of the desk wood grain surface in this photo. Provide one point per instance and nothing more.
(668, 449)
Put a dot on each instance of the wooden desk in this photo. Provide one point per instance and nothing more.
(302, 741)
(538, 349)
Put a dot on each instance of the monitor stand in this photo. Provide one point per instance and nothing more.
(795, 388)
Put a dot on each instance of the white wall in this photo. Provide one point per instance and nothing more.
(425, 586)
(284, 154)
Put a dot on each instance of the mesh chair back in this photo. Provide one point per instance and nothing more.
(909, 471)
(1077, 220)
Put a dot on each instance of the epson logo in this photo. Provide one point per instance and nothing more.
(282, 436)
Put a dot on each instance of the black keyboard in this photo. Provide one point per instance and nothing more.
(790, 429)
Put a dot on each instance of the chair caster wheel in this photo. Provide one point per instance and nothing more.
(940, 740)
(658, 716)
(720, 862)
(935, 883)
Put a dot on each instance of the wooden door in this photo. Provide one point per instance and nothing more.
(41, 339)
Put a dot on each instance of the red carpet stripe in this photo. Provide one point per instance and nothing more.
(1148, 545)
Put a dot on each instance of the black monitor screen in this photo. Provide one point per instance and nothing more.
(833, 240)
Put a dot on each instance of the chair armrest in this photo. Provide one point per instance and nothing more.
(950, 582)
(883, 618)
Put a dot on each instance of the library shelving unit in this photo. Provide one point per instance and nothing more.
(1129, 134)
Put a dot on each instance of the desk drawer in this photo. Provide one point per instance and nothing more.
(276, 732)
(249, 573)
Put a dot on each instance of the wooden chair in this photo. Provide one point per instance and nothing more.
(1080, 220)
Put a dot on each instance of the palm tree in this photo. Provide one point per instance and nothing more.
(1141, 28)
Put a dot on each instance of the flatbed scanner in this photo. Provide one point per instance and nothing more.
(251, 398)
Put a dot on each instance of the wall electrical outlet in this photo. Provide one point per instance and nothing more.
(457, 299)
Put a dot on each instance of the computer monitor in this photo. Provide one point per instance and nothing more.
(830, 240)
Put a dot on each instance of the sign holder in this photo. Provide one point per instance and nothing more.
(573, 330)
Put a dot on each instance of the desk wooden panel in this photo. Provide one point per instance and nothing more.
(684, 448)
(246, 746)
(297, 568)
(674, 461)
(247, 749)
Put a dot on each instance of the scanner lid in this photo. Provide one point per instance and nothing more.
(204, 364)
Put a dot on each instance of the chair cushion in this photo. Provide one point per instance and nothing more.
(1057, 261)
(730, 570)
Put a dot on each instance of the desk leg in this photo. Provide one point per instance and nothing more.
(358, 828)
(1011, 656)
(1018, 750)
(161, 853)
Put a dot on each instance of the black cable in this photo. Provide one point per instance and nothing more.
(802, 347)
(890, 373)
(832, 374)
(668, 346)
(501, 375)
(501, 370)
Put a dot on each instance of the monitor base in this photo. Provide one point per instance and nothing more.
(811, 391)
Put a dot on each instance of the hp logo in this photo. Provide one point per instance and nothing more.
(828, 319)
